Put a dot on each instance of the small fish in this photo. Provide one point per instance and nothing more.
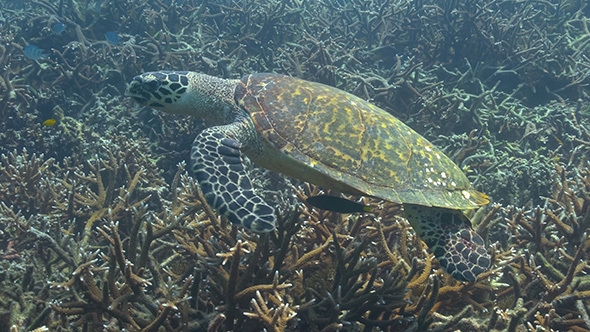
(58, 28)
(112, 37)
(33, 52)
(337, 204)
(49, 122)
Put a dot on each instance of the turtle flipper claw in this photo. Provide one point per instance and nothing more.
(218, 167)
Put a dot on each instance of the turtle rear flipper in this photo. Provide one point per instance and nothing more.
(448, 234)
(218, 167)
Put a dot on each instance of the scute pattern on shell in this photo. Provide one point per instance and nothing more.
(354, 142)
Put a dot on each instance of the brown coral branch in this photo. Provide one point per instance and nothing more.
(391, 256)
(45, 238)
(561, 287)
(307, 258)
(420, 279)
(275, 319)
(275, 287)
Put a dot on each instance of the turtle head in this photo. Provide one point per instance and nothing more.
(162, 90)
(182, 92)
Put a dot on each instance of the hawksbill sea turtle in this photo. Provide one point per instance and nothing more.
(325, 136)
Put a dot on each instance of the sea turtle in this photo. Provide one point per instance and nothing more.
(322, 135)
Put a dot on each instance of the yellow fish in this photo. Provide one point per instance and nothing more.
(49, 122)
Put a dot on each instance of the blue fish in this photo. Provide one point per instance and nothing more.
(58, 28)
(33, 52)
(112, 37)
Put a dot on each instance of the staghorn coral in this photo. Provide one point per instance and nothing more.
(97, 205)
(544, 266)
(178, 247)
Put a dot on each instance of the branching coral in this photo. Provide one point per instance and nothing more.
(546, 266)
(501, 86)
(25, 180)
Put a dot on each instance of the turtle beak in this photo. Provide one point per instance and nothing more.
(141, 89)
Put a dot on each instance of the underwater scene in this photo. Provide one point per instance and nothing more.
(295, 165)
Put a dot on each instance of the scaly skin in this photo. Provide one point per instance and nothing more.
(448, 234)
(217, 152)
(218, 167)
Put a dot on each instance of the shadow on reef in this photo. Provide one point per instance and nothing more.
(102, 228)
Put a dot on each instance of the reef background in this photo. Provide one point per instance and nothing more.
(103, 229)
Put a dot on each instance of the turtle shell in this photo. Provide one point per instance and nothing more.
(352, 142)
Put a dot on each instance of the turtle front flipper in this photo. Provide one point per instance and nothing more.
(448, 234)
(218, 167)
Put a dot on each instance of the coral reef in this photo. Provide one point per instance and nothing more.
(103, 229)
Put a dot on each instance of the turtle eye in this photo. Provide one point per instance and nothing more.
(152, 85)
